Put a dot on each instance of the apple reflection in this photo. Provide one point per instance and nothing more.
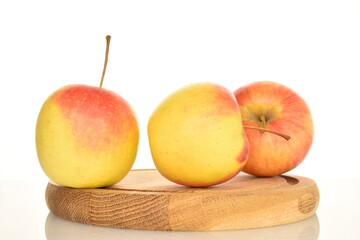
(59, 229)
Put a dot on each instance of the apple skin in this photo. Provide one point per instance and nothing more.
(285, 112)
(196, 136)
(86, 137)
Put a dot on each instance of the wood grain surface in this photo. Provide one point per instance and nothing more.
(146, 200)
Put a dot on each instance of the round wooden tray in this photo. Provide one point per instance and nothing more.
(146, 200)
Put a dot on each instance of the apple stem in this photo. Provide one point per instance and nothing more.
(108, 37)
(263, 123)
(270, 131)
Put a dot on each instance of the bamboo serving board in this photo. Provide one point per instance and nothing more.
(146, 200)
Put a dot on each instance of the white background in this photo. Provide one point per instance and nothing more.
(157, 47)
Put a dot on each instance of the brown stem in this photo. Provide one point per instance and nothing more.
(263, 123)
(270, 131)
(108, 37)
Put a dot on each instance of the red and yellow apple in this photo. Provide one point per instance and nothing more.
(86, 137)
(276, 108)
(196, 136)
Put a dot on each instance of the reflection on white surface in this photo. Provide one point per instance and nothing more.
(57, 228)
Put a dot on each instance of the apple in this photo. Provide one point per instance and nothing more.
(196, 136)
(268, 107)
(86, 136)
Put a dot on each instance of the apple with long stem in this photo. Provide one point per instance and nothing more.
(278, 125)
(86, 136)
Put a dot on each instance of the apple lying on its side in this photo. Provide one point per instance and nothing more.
(276, 108)
(86, 137)
(196, 136)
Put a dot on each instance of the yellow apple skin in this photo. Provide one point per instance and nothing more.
(285, 112)
(196, 136)
(86, 137)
